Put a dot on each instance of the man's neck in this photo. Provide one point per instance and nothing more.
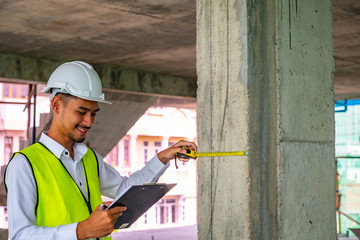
(64, 141)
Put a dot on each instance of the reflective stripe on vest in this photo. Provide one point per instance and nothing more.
(59, 200)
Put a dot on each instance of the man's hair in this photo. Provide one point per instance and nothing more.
(65, 97)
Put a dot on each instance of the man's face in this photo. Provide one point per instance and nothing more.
(78, 115)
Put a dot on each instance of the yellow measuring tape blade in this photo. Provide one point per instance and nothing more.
(192, 154)
(217, 154)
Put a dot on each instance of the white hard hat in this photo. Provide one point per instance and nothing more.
(78, 79)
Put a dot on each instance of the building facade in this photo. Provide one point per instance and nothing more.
(158, 129)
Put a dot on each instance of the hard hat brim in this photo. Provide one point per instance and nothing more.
(47, 90)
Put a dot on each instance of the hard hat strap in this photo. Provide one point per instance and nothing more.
(55, 91)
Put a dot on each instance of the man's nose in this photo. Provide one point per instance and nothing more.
(88, 120)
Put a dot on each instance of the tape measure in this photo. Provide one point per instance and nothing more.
(192, 154)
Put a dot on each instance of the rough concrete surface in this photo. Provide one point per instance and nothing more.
(306, 193)
(280, 107)
(30, 69)
(305, 68)
(306, 135)
(155, 36)
(223, 186)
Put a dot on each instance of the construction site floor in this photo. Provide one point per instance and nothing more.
(343, 237)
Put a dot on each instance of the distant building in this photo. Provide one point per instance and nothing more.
(157, 129)
(347, 141)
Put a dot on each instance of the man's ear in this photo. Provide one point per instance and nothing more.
(56, 103)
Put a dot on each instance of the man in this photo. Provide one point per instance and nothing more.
(54, 187)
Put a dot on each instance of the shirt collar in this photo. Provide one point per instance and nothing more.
(58, 150)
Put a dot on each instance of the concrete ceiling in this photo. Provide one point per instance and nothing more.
(157, 36)
(346, 17)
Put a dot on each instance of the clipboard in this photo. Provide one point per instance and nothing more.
(138, 199)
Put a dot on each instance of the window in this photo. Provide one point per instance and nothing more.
(24, 91)
(145, 218)
(5, 214)
(146, 151)
(8, 149)
(126, 153)
(113, 157)
(6, 90)
(15, 90)
(167, 211)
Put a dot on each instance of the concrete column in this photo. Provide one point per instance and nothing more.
(265, 83)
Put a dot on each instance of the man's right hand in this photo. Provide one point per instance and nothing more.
(100, 223)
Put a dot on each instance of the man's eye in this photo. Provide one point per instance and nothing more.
(93, 114)
(81, 113)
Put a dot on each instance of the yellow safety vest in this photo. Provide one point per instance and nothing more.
(59, 200)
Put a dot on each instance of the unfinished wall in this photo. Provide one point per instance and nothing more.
(265, 83)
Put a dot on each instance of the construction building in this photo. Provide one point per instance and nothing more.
(264, 75)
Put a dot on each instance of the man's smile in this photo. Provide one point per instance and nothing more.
(83, 130)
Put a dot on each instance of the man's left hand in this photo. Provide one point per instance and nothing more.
(168, 154)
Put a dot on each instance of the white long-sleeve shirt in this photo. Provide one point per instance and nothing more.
(22, 197)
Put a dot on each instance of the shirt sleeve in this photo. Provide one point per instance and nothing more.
(112, 183)
(21, 199)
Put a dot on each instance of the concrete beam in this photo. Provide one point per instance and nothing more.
(114, 120)
(113, 78)
(265, 83)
